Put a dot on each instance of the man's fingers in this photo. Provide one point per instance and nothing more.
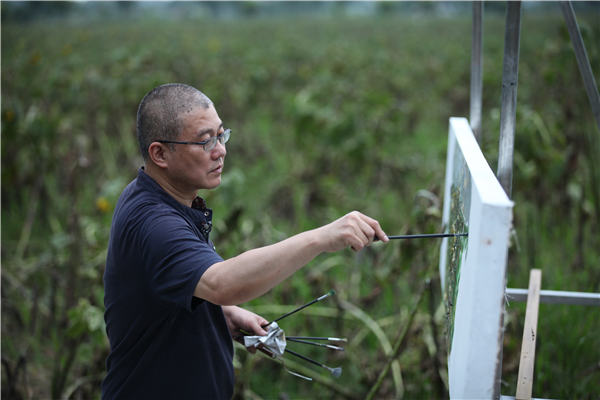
(367, 229)
(360, 240)
(257, 326)
(374, 225)
(351, 232)
(354, 230)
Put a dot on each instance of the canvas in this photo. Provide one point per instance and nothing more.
(473, 269)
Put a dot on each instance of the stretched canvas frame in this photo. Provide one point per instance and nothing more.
(473, 270)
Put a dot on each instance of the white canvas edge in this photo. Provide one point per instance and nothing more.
(477, 339)
(481, 173)
(476, 345)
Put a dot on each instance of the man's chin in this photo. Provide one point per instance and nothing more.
(214, 183)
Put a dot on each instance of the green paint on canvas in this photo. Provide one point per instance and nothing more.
(456, 250)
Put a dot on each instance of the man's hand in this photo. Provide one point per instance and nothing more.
(354, 230)
(239, 319)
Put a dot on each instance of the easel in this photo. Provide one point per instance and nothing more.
(534, 294)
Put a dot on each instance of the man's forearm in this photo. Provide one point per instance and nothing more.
(254, 272)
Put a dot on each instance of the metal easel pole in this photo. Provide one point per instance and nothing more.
(582, 59)
(476, 70)
(510, 74)
(508, 112)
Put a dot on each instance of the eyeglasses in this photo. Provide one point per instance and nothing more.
(207, 144)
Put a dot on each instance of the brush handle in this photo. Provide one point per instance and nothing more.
(326, 295)
(331, 339)
(310, 360)
(328, 346)
(424, 235)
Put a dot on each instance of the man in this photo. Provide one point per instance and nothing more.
(169, 297)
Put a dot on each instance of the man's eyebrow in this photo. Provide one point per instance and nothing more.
(209, 130)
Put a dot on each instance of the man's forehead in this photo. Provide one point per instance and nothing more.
(203, 114)
(203, 120)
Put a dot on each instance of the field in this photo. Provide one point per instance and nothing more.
(328, 115)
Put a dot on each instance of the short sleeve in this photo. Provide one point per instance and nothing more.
(174, 258)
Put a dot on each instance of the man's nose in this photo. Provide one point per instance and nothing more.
(219, 151)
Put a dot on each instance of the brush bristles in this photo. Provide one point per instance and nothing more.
(336, 372)
(326, 295)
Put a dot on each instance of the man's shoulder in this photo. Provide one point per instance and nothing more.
(136, 199)
(141, 209)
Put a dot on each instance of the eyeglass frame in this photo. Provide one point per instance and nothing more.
(211, 143)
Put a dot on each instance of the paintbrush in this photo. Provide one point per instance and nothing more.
(336, 372)
(329, 346)
(424, 235)
(331, 339)
(326, 295)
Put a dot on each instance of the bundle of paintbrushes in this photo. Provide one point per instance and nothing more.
(275, 342)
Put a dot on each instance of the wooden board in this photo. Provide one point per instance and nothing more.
(527, 362)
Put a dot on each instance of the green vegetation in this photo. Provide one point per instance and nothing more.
(327, 116)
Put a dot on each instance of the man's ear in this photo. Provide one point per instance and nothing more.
(158, 154)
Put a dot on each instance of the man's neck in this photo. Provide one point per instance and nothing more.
(184, 198)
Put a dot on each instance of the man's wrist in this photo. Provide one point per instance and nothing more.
(228, 310)
(316, 242)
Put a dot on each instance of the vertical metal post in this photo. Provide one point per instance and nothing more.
(476, 70)
(582, 59)
(510, 75)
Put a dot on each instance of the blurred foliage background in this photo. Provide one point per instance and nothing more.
(333, 107)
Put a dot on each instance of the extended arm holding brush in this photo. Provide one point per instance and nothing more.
(254, 272)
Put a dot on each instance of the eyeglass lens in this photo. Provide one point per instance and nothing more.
(222, 138)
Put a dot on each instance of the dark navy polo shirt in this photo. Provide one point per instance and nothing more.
(164, 343)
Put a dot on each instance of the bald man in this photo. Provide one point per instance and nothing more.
(170, 299)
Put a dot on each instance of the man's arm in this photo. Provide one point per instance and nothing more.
(253, 273)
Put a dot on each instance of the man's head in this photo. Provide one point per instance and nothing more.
(161, 113)
(180, 113)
